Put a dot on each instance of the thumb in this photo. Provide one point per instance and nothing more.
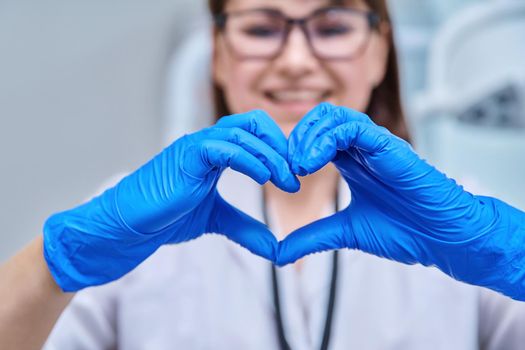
(325, 234)
(244, 230)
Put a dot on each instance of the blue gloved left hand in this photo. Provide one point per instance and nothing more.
(402, 208)
(172, 198)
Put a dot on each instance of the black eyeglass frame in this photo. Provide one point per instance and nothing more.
(372, 18)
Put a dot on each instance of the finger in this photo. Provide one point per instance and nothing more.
(310, 119)
(366, 137)
(319, 236)
(335, 117)
(244, 230)
(260, 124)
(219, 153)
(281, 174)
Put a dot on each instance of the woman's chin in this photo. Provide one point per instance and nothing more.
(294, 110)
(287, 127)
(290, 113)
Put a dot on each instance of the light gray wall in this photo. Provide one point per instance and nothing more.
(80, 99)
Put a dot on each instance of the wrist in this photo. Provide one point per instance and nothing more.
(504, 247)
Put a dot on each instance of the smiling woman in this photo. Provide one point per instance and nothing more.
(283, 57)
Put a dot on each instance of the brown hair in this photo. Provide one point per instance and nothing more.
(385, 104)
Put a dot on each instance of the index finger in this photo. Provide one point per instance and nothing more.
(260, 124)
(310, 119)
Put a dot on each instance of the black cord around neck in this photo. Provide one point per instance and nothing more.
(327, 332)
(283, 342)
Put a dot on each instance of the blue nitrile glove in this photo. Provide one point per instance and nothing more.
(402, 208)
(171, 199)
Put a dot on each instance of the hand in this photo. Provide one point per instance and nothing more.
(402, 208)
(171, 199)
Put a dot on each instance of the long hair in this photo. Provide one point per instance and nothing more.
(385, 106)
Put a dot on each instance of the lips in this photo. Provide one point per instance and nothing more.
(297, 96)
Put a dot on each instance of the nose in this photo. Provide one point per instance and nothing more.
(296, 58)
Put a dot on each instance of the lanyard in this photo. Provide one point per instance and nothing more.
(283, 343)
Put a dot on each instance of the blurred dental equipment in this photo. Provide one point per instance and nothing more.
(470, 120)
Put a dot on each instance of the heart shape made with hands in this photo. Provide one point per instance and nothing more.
(402, 208)
(354, 144)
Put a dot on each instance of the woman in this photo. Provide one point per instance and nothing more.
(210, 294)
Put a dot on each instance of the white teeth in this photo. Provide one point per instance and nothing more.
(297, 96)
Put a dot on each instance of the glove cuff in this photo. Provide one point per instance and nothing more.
(91, 245)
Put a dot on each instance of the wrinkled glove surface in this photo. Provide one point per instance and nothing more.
(171, 199)
(402, 208)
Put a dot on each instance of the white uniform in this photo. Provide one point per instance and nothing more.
(212, 294)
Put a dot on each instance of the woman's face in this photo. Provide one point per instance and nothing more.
(292, 83)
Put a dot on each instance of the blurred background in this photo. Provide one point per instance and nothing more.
(92, 89)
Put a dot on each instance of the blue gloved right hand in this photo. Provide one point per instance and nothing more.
(402, 208)
(171, 199)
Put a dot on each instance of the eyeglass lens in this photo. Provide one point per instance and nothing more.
(334, 33)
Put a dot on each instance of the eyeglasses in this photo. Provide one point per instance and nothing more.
(332, 33)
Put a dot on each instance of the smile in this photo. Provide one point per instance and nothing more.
(294, 96)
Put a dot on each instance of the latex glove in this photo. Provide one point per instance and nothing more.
(402, 208)
(171, 199)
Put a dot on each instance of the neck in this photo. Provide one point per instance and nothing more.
(291, 211)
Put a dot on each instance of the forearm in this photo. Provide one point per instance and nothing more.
(31, 301)
(507, 229)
